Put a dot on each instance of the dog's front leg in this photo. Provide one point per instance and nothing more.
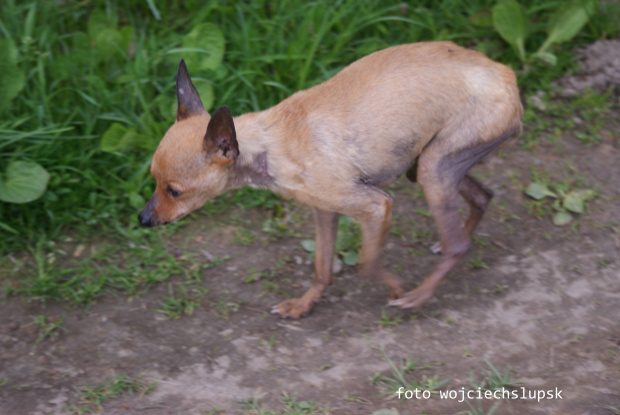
(326, 230)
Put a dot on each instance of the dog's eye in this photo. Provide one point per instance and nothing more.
(173, 192)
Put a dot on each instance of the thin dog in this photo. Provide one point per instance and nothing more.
(430, 110)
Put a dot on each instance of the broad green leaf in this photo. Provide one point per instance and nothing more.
(98, 21)
(547, 57)
(12, 78)
(127, 35)
(205, 90)
(574, 201)
(538, 191)
(117, 137)
(108, 42)
(483, 18)
(112, 138)
(23, 182)
(350, 258)
(509, 20)
(562, 218)
(8, 52)
(569, 19)
(204, 47)
(309, 245)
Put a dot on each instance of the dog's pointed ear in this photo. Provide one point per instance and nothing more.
(187, 96)
(220, 141)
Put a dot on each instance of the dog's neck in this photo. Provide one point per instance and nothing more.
(251, 167)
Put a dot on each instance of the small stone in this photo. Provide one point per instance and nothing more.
(336, 265)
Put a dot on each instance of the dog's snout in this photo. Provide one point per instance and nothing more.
(145, 220)
(147, 216)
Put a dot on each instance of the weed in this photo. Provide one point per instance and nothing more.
(225, 309)
(46, 327)
(243, 236)
(494, 379)
(478, 263)
(270, 344)
(500, 288)
(479, 410)
(257, 276)
(92, 397)
(291, 406)
(565, 199)
(181, 302)
(393, 384)
(387, 320)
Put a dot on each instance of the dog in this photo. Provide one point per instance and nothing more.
(428, 110)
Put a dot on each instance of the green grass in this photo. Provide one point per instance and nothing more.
(290, 406)
(116, 265)
(400, 377)
(91, 397)
(103, 65)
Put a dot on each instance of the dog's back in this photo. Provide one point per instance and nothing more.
(372, 119)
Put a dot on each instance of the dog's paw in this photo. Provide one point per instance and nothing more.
(413, 298)
(292, 309)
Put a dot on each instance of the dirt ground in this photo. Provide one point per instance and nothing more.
(541, 300)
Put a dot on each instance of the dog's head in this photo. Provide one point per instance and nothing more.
(192, 162)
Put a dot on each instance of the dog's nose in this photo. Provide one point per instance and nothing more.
(145, 220)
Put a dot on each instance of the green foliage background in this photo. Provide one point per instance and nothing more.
(88, 86)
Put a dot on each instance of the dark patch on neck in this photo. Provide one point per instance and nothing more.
(254, 173)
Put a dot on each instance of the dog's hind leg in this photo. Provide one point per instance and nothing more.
(478, 197)
(442, 174)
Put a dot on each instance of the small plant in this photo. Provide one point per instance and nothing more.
(256, 275)
(511, 22)
(387, 320)
(292, 406)
(243, 236)
(494, 379)
(180, 303)
(478, 263)
(46, 327)
(565, 200)
(225, 309)
(479, 410)
(398, 381)
(91, 397)
(348, 241)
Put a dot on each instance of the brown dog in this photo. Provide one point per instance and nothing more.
(432, 110)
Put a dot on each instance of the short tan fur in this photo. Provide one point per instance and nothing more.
(430, 110)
